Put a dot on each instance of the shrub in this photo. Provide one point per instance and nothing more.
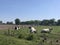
(21, 36)
(30, 37)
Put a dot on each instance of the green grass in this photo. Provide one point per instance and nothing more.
(5, 40)
(22, 36)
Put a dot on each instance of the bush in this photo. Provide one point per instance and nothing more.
(30, 37)
(21, 36)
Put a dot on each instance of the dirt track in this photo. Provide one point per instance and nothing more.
(5, 27)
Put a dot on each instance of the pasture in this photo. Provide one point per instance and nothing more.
(24, 37)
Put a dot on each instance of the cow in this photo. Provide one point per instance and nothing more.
(32, 29)
(17, 28)
(48, 30)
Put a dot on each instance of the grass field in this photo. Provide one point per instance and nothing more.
(24, 37)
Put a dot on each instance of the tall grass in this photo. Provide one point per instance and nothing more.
(24, 37)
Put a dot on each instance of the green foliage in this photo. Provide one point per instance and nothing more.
(30, 37)
(58, 22)
(7, 40)
(23, 37)
(17, 21)
(1, 22)
(9, 22)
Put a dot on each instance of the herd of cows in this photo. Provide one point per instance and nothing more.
(33, 30)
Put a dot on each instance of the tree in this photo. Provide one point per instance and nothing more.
(52, 21)
(45, 22)
(17, 21)
(1, 22)
(37, 22)
(58, 22)
(29, 22)
(48, 22)
(9, 22)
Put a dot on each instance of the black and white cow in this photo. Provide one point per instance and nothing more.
(17, 28)
(48, 30)
(32, 29)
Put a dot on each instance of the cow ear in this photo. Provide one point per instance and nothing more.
(29, 27)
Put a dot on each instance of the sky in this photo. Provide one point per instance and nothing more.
(29, 10)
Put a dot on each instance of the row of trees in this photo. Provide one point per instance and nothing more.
(38, 22)
(34, 22)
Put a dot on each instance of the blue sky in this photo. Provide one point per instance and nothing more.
(29, 9)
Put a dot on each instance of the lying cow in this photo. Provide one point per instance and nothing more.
(48, 30)
(32, 29)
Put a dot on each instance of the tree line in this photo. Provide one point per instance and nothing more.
(45, 22)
